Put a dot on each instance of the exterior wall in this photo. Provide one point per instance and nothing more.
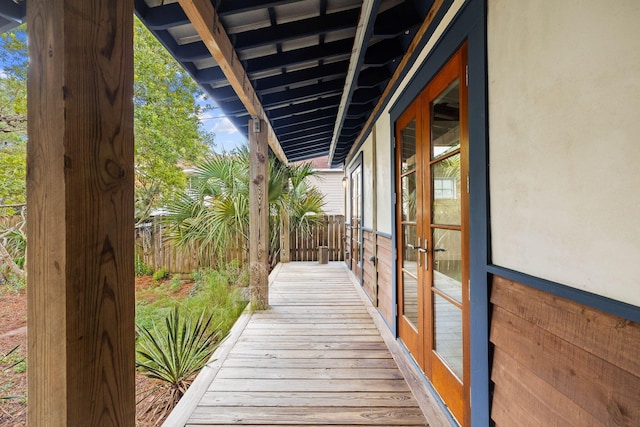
(384, 180)
(564, 97)
(557, 362)
(367, 183)
(369, 277)
(385, 277)
(329, 182)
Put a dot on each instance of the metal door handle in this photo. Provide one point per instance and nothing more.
(439, 250)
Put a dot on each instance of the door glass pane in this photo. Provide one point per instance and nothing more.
(409, 197)
(410, 254)
(447, 262)
(445, 121)
(409, 275)
(445, 177)
(408, 144)
(410, 298)
(448, 333)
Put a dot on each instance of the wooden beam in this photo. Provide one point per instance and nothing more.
(285, 238)
(207, 24)
(81, 301)
(258, 216)
(435, 7)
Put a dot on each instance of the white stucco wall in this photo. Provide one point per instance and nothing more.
(384, 181)
(564, 114)
(384, 128)
(367, 183)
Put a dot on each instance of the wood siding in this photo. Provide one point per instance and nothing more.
(385, 278)
(557, 362)
(369, 277)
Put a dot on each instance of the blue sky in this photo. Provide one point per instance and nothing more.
(226, 136)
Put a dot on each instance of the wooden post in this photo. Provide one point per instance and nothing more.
(258, 215)
(285, 238)
(80, 223)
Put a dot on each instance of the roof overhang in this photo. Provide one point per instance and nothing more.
(314, 70)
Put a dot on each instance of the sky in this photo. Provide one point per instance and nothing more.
(226, 136)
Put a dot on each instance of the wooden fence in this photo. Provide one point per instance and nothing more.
(156, 251)
(329, 233)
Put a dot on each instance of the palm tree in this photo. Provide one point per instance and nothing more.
(214, 212)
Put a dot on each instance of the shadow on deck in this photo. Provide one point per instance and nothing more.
(315, 357)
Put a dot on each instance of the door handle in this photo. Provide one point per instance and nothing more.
(439, 250)
(426, 259)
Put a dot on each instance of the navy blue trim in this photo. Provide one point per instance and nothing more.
(412, 59)
(608, 305)
(469, 25)
(367, 229)
(381, 234)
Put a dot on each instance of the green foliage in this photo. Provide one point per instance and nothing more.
(211, 292)
(141, 268)
(176, 283)
(13, 116)
(215, 212)
(11, 284)
(166, 123)
(9, 361)
(160, 274)
(215, 295)
(175, 352)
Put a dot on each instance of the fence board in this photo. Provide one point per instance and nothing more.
(157, 252)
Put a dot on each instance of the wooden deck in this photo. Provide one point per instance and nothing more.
(315, 357)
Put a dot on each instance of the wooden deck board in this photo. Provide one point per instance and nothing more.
(314, 358)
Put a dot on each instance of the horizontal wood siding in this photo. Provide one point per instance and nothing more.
(332, 188)
(557, 362)
(385, 280)
(369, 277)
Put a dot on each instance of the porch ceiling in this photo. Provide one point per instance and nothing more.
(317, 76)
(297, 55)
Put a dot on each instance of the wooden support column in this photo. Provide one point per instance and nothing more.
(258, 215)
(81, 356)
(285, 238)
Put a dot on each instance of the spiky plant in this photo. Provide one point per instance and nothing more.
(174, 354)
(11, 363)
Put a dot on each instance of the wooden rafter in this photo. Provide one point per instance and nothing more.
(205, 20)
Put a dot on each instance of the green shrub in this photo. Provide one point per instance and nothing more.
(141, 268)
(11, 284)
(8, 361)
(160, 274)
(176, 283)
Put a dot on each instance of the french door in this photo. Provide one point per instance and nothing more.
(433, 235)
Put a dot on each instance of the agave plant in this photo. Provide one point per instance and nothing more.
(175, 354)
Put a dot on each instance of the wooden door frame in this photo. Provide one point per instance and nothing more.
(421, 344)
(469, 25)
(357, 163)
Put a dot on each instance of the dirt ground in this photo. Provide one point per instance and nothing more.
(13, 380)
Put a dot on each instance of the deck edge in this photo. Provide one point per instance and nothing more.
(183, 410)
